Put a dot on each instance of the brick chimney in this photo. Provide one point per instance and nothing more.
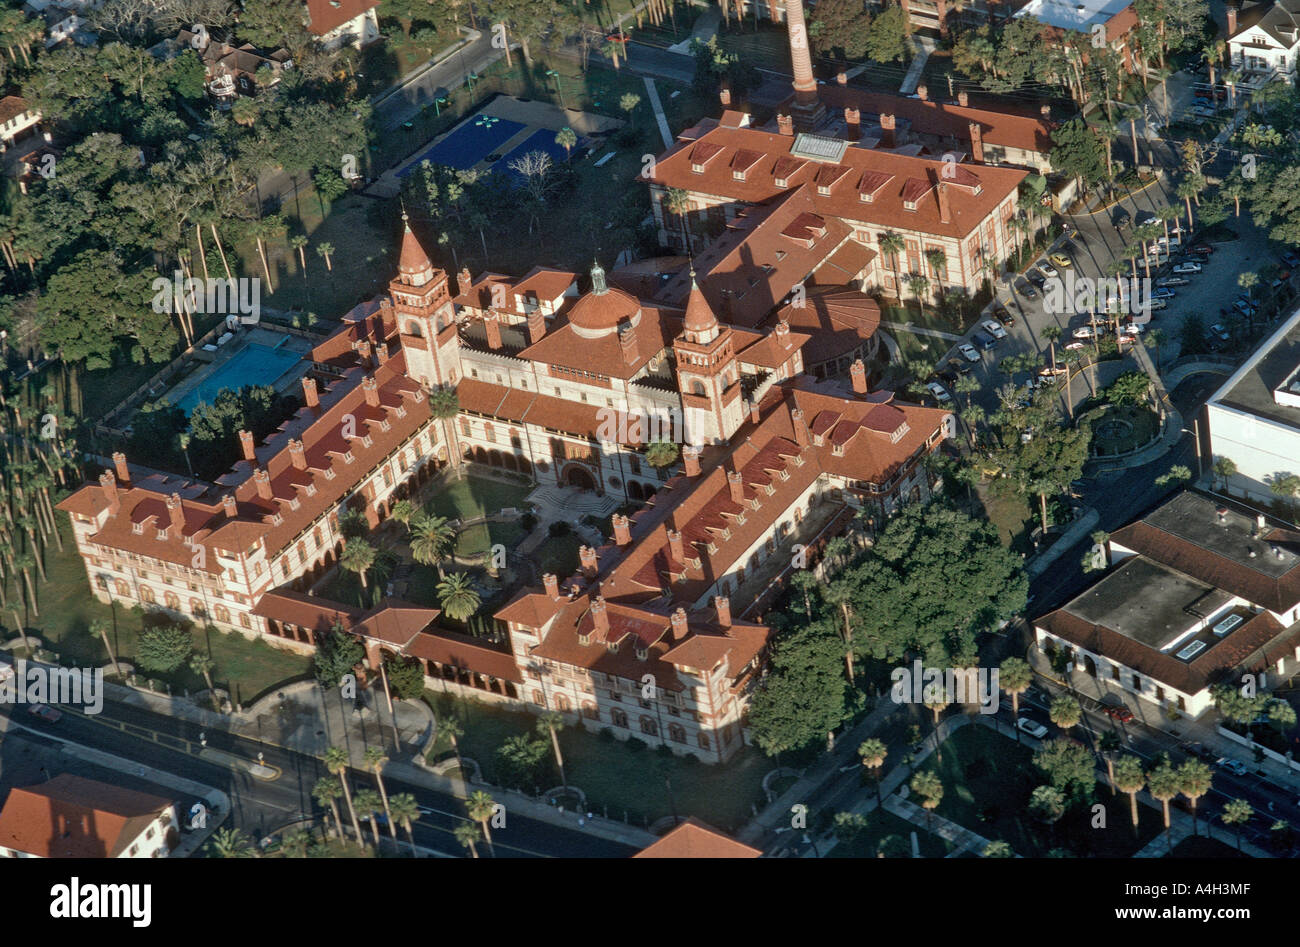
(923, 93)
(600, 615)
(627, 341)
(310, 396)
(691, 460)
(853, 119)
(464, 281)
(119, 465)
(622, 529)
(976, 142)
(678, 620)
(722, 605)
(1045, 111)
(1232, 18)
(381, 353)
(246, 442)
(963, 99)
(298, 455)
(363, 349)
(108, 483)
(801, 435)
(676, 546)
(754, 414)
(263, 481)
(842, 77)
(371, 388)
(724, 95)
(858, 372)
(785, 125)
(228, 506)
(493, 326)
(736, 484)
(176, 514)
(782, 333)
(587, 558)
(552, 586)
(887, 125)
(536, 326)
(945, 212)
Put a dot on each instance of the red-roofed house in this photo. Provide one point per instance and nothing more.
(343, 22)
(74, 817)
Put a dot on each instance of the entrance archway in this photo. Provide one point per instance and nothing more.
(576, 476)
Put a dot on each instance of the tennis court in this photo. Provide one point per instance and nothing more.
(469, 143)
(543, 140)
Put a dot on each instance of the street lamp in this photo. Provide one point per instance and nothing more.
(559, 88)
(470, 79)
(438, 102)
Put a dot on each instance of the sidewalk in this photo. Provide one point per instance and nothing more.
(924, 46)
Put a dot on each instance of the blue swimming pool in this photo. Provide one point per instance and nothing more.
(468, 145)
(255, 364)
(543, 140)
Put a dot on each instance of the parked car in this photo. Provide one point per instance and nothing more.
(1133, 328)
(46, 713)
(958, 366)
(1003, 315)
(1204, 111)
(1061, 260)
(1038, 280)
(1027, 290)
(993, 329)
(1173, 280)
(1236, 767)
(1188, 267)
(1159, 304)
(1290, 258)
(1145, 217)
(1121, 713)
(1220, 333)
(1046, 268)
(1031, 727)
(1243, 307)
(1050, 372)
(1074, 346)
(1204, 249)
(947, 377)
(985, 340)
(1084, 332)
(969, 351)
(1163, 292)
(939, 392)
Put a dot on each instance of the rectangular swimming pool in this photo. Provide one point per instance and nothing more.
(543, 140)
(254, 364)
(469, 144)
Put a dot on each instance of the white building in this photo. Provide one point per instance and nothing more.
(337, 23)
(74, 817)
(1264, 41)
(1254, 418)
(17, 121)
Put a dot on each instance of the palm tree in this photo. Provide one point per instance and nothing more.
(840, 593)
(23, 562)
(1052, 334)
(929, 787)
(404, 809)
(1164, 783)
(1213, 54)
(873, 753)
(201, 663)
(677, 201)
(661, 454)
(1195, 778)
(453, 729)
(552, 722)
(324, 249)
(1065, 713)
(457, 596)
(974, 416)
(805, 580)
(1225, 468)
(998, 849)
(1287, 487)
(469, 834)
(230, 843)
(891, 245)
(566, 138)
(368, 803)
(358, 556)
(1237, 812)
(432, 540)
(1015, 675)
(376, 759)
(326, 792)
(299, 242)
(1153, 341)
(1047, 804)
(402, 512)
(336, 762)
(1130, 778)
(1108, 746)
(481, 807)
(919, 284)
(100, 626)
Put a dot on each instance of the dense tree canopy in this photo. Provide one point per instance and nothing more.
(805, 695)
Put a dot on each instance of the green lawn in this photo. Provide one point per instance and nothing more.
(882, 824)
(987, 781)
(1012, 515)
(243, 666)
(476, 540)
(615, 776)
(559, 555)
(476, 496)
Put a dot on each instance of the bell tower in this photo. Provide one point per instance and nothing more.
(708, 375)
(426, 318)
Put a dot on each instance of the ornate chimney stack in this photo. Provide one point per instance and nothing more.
(310, 396)
(754, 414)
(464, 281)
(691, 460)
(298, 455)
(176, 514)
(736, 484)
(801, 435)
(363, 349)
(976, 142)
(722, 605)
(627, 341)
(263, 481)
(371, 388)
(587, 558)
(246, 442)
(945, 212)
(119, 465)
(887, 137)
(678, 620)
(600, 615)
(853, 119)
(228, 506)
(108, 483)
(724, 96)
(1232, 18)
(622, 530)
(676, 546)
(785, 124)
(923, 93)
(552, 586)
(963, 98)
(858, 372)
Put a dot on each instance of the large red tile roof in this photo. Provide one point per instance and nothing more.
(694, 839)
(73, 817)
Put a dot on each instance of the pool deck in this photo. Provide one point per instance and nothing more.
(532, 115)
(243, 337)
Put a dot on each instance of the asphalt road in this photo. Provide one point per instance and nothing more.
(260, 806)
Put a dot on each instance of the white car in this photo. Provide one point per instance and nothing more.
(1074, 346)
(1159, 304)
(1146, 217)
(1133, 328)
(1031, 727)
(994, 328)
(1046, 268)
(1083, 332)
(1187, 268)
(1049, 372)
(969, 352)
(939, 392)
(1220, 332)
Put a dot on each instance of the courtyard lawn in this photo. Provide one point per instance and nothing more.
(558, 555)
(617, 777)
(478, 539)
(987, 781)
(881, 825)
(476, 496)
(1014, 518)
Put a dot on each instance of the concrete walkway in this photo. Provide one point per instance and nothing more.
(706, 27)
(923, 46)
(1080, 528)
(921, 330)
(660, 119)
(961, 839)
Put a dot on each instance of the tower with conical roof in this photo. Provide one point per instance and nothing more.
(708, 375)
(426, 318)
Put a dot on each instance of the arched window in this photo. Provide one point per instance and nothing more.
(677, 733)
(697, 387)
(413, 328)
(146, 595)
(648, 726)
(538, 698)
(196, 608)
(704, 741)
(173, 600)
(590, 710)
(618, 717)
(222, 614)
(121, 587)
(562, 703)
